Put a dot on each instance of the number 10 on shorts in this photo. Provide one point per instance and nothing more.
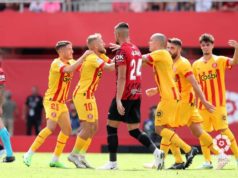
(88, 106)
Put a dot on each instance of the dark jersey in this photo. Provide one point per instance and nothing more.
(130, 56)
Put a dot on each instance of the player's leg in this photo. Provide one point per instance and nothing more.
(179, 164)
(64, 123)
(52, 116)
(113, 122)
(5, 137)
(28, 126)
(143, 138)
(40, 139)
(83, 141)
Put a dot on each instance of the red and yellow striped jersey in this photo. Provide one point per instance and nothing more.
(211, 76)
(164, 75)
(182, 69)
(90, 75)
(59, 82)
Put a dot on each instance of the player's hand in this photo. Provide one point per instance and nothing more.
(120, 108)
(209, 106)
(114, 47)
(151, 91)
(233, 43)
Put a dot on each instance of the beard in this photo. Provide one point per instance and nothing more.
(174, 56)
(103, 51)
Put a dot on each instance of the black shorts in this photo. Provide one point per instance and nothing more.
(132, 111)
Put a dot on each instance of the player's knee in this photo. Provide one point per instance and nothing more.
(135, 133)
(67, 131)
(111, 130)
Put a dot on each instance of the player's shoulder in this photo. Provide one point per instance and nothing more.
(219, 58)
(72, 61)
(91, 57)
(56, 63)
(185, 61)
(197, 62)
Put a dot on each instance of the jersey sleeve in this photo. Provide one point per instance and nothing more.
(224, 62)
(195, 72)
(2, 77)
(155, 56)
(120, 57)
(186, 69)
(105, 58)
(57, 66)
(98, 63)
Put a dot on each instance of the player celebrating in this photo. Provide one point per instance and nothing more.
(187, 113)
(209, 70)
(125, 107)
(4, 135)
(60, 75)
(166, 87)
(84, 99)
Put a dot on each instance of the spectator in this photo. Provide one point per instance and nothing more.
(9, 111)
(32, 111)
(2, 7)
(74, 119)
(138, 6)
(171, 6)
(118, 6)
(156, 6)
(36, 6)
(51, 7)
(203, 5)
(229, 6)
(149, 128)
(186, 6)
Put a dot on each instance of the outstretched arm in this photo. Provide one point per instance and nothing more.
(79, 61)
(234, 44)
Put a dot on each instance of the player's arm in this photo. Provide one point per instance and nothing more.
(121, 81)
(198, 91)
(234, 60)
(145, 59)
(109, 67)
(71, 68)
(152, 91)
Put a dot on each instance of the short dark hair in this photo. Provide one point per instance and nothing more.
(61, 44)
(175, 41)
(122, 25)
(206, 37)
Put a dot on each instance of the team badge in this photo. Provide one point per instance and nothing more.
(223, 117)
(90, 116)
(53, 114)
(159, 114)
(222, 142)
(214, 65)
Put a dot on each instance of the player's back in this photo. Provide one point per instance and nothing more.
(58, 81)
(130, 55)
(164, 74)
(182, 69)
(90, 74)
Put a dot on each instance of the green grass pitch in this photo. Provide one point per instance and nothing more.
(130, 166)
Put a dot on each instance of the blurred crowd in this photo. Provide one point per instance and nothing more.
(121, 6)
